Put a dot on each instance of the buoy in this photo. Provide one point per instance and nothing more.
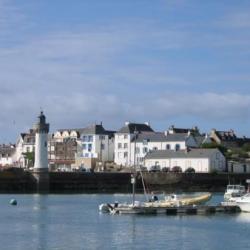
(13, 202)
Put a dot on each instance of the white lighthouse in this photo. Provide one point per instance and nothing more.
(41, 147)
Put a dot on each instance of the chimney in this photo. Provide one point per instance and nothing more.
(127, 123)
(147, 123)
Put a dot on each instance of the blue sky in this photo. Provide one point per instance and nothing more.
(178, 62)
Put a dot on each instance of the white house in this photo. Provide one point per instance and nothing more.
(6, 155)
(179, 141)
(25, 144)
(201, 160)
(124, 148)
(131, 147)
(95, 145)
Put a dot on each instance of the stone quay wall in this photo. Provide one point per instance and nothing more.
(73, 182)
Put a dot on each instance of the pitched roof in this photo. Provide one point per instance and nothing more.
(191, 153)
(95, 129)
(130, 128)
(193, 130)
(200, 139)
(150, 137)
(177, 137)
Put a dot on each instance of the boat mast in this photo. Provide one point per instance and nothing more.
(133, 179)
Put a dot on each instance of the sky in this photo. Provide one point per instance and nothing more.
(167, 62)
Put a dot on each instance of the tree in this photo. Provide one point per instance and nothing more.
(30, 157)
(246, 147)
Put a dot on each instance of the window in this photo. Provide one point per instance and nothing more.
(84, 138)
(102, 137)
(89, 147)
(125, 136)
(102, 146)
(84, 146)
(168, 147)
(119, 145)
(137, 150)
(145, 142)
(90, 138)
(125, 145)
(125, 154)
(177, 147)
(145, 150)
(155, 148)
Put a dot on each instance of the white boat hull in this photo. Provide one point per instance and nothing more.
(244, 206)
(244, 203)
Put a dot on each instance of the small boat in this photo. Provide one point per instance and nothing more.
(180, 200)
(234, 191)
(154, 205)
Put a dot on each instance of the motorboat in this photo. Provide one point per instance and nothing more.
(234, 191)
(243, 202)
(180, 200)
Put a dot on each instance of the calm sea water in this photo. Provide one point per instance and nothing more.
(73, 222)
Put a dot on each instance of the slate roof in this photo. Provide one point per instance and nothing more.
(200, 139)
(194, 130)
(150, 137)
(131, 127)
(176, 137)
(192, 153)
(95, 129)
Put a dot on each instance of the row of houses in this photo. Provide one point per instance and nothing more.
(133, 144)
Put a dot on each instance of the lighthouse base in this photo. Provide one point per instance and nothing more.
(41, 176)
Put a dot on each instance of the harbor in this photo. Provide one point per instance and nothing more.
(73, 222)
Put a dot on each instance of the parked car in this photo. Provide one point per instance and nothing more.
(155, 168)
(165, 169)
(176, 169)
(190, 170)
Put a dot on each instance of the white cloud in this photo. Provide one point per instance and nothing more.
(115, 73)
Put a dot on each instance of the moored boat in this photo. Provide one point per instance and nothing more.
(180, 200)
(243, 203)
(154, 206)
(234, 191)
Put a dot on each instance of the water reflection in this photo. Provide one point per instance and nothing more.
(243, 217)
(40, 225)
